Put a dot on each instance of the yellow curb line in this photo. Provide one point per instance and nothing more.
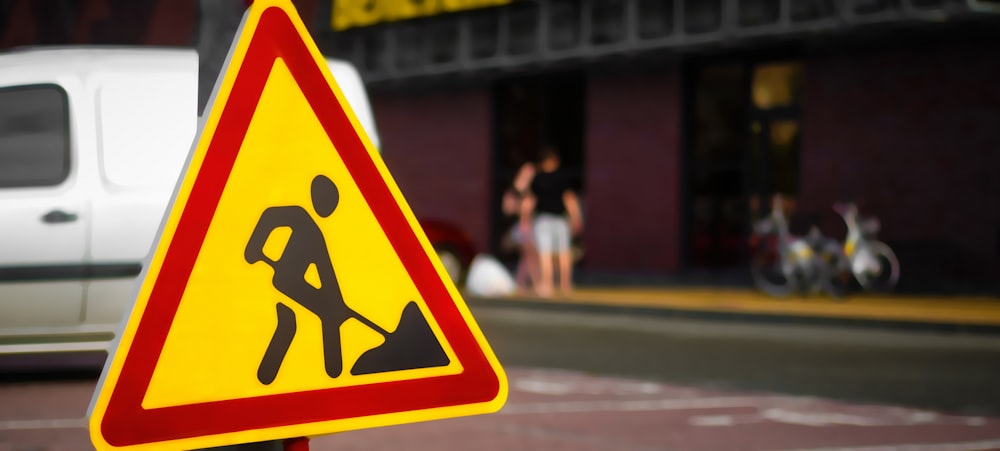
(966, 310)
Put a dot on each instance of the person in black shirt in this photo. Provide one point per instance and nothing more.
(556, 216)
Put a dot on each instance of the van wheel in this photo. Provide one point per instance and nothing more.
(451, 262)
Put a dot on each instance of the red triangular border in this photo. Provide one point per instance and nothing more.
(125, 421)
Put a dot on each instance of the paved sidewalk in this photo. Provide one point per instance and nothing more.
(958, 313)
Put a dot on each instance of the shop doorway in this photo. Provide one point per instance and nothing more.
(530, 113)
(742, 148)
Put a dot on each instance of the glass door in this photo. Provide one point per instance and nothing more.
(774, 131)
(742, 148)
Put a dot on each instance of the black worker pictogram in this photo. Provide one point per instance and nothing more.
(413, 343)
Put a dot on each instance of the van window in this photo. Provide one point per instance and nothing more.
(147, 123)
(34, 136)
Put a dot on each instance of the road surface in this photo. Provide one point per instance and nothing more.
(587, 382)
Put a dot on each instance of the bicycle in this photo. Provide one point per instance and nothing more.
(872, 263)
(782, 263)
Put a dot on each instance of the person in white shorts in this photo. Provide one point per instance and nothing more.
(556, 219)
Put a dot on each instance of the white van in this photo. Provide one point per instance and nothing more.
(92, 141)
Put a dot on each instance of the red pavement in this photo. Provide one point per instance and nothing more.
(561, 410)
(557, 410)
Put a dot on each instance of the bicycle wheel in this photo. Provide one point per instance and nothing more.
(886, 273)
(835, 280)
(768, 276)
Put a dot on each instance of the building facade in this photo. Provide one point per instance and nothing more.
(679, 118)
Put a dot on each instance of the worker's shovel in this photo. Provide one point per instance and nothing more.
(412, 345)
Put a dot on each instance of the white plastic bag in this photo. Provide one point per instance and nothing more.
(488, 277)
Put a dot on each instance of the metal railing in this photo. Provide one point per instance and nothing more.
(528, 33)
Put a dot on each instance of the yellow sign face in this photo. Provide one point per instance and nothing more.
(238, 300)
(292, 292)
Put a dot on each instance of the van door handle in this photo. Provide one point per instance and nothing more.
(58, 216)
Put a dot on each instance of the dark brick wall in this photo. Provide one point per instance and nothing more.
(139, 22)
(916, 136)
(438, 148)
(118, 22)
(633, 205)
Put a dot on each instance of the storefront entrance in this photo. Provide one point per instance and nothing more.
(742, 148)
(530, 113)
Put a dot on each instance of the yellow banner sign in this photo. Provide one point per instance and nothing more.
(362, 13)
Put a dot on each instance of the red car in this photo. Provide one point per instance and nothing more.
(453, 246)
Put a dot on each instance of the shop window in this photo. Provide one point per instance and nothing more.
(744, 131)
(784, 146)
(715, 176)
(344, 45)
(522, 36)
(656, 18)
(484, 28)
(443, 40)
(776, 85)
(374, 51)
(607, 21)
(774, 162)
(702, 16)
(719, 106)
(759, 12)
(807, 10)
(34, 136)
(564, 24)
(872, 6)
(409, 46)
(716, 223)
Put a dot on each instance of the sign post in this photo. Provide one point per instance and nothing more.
(292, 292)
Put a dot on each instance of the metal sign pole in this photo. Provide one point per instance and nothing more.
(292, 444)
(297, 444)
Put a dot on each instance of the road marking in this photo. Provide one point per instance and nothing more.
(713, 420)
(953, 446)
(637, 405)
(890, 417)
(59, 423)
(841, 419)
(545, 386)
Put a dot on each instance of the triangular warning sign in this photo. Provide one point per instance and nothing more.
(292, 292)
